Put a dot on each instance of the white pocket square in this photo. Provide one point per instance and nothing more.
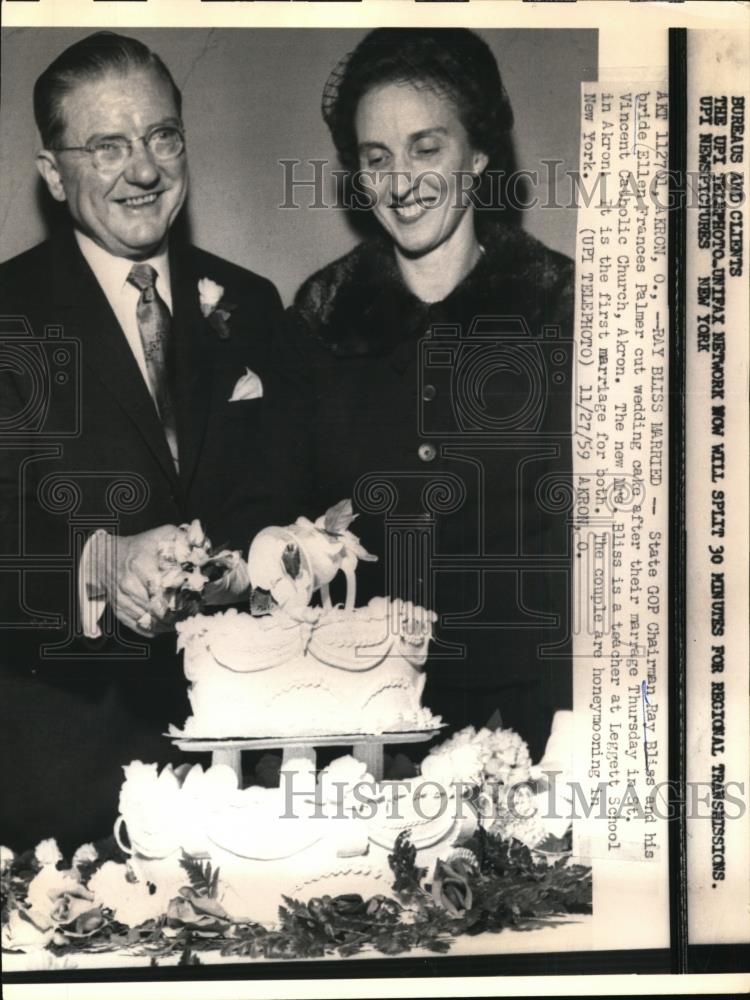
(249, 386)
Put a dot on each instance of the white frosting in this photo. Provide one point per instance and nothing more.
(333, 834)
(349, 672)
(306, 672)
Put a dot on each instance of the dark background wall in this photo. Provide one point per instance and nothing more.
(252, 98)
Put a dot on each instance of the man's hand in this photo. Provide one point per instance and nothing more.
(125, 570)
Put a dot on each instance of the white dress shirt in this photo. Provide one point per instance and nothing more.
(112, 274)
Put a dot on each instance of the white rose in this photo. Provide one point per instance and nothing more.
(6, 858)
(209, 294)
(195, 535)
(181, 549)
(132, 901)
(195, 580)
(166, 554)
(85, 853)
(339, 779)
(45, 888)
(21, 933)
(199, 556)
(47, 852)
(173, 579)
(461, 763)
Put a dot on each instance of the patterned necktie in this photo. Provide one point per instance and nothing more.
(154, 324)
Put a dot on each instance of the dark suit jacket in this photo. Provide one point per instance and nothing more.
(83, 448)
(449, 425)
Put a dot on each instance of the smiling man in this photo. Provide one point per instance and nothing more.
(124, 388)
(115, 152)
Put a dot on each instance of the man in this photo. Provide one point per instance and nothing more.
(137, 393)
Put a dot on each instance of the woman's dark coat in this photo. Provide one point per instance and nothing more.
(449, 426)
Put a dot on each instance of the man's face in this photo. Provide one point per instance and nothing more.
(127, 211)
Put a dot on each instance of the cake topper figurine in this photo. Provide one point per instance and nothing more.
(287, 565)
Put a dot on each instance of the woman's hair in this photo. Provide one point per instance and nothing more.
(451, 61)
(90, 59)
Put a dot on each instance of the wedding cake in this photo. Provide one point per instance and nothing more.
(288, 669)
(313, 835)
(331, 860)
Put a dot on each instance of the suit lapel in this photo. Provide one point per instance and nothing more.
(88, 316)
(194, 345)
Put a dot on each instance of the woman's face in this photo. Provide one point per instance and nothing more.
(418, 163)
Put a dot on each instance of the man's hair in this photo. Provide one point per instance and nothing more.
(90, 59)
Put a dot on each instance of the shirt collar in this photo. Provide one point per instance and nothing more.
(112, 272)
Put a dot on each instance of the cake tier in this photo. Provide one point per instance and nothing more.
(312, 835)
(348, 672)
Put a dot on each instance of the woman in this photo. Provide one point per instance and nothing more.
(437, 353)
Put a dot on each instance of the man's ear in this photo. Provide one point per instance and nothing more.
(46, 164)
(480, 162)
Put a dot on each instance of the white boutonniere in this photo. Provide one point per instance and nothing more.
(213, 307)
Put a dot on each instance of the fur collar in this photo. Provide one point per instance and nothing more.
(359, 305)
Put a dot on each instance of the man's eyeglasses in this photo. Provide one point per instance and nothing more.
(164, 142)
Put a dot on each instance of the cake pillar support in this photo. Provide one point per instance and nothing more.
(232, 758)
(299, 751)
(370, 754)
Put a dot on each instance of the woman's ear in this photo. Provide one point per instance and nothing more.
(479, 163)
(46, 164)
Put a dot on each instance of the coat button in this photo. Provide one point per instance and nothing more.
(427, 452)
(428, 393)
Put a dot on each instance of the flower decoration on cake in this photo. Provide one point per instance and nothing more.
(149, 807)
(86, 854)
(451, 886)
(499, 754)
(290, 564)
(343, 548)
(460, 762)
(494, 766)
(192, 575)
(7, 856)
(57, 906)
(47, 853)
(346, 785)
(20, 933)
(168, 810)
(133, 898)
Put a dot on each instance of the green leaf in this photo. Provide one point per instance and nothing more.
(407, 876)
(202, 879)
(188, 957)
(261, 602)
(339, 517)
(511, 888)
